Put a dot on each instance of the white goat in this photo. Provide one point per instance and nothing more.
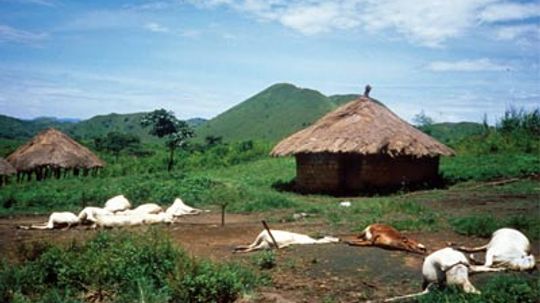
(117, 203)
(89, 213)
(283, 239)
(148, 208)
(507, 249)
(445, 266)
(57, 220)
(179, 208)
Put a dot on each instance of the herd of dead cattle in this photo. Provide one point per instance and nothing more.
(508, 249)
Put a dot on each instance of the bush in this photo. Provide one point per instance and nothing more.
(122, 268)
(265, 259)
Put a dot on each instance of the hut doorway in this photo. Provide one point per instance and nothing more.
(350, 168)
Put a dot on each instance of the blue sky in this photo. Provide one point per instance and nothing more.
(455, 60)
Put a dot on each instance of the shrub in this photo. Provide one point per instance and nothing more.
(122, 268)
(265, 259)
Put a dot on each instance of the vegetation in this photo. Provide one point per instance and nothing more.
(115, 142)
(165, 124)
(484, 225)
(120, 267)
(507, 288)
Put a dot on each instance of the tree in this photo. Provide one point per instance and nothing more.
(422, 119)
(115, 142)
(165, 124)
(423, 122)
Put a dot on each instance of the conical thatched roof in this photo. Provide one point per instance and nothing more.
(363, 127)
(54, 148)
(6, 168)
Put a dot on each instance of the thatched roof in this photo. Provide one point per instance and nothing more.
(53, 148)
(362, 127)
(6, 168)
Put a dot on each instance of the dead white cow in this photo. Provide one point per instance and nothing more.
(117, 203)
(443, 267)
(132, 220)
(108, 221)
(88, 214)
(507, 249)
(57, 220)
(179, 208)
(148, 208)
(283, 239)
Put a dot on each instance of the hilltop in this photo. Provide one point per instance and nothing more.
(272, 114)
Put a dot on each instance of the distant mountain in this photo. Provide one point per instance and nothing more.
(272, 114)
(13, 128)
(196, 122)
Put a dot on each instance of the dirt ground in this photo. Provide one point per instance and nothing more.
(309, 273)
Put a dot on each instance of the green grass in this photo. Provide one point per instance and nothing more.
(483, 225)
(488, 167)
(507, 288)
(120, 267)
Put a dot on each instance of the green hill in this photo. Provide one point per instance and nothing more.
(101, 125)
(449, 133)
(98, 126)
(13, 128)
(272, 114)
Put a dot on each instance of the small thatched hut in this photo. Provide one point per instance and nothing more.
(361, 146)
(50, 152)
(5, 171)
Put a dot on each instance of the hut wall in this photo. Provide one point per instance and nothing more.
(326, 172)
(384, 171)
(318, 172)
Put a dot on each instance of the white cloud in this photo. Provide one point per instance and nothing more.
(514, 32)
(428, 23)
(509, 12)
(318, 18)
(10, 34)
(155, 27)
(479, 65)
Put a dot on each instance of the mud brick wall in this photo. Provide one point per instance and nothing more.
(384, 171)
(317, 172)
(326, 172)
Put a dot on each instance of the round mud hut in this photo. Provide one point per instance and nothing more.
(6, 170)
(51, 153)
(362, 146)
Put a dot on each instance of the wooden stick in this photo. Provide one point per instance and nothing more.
(271, 236)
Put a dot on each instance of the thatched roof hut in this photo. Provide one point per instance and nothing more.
(5, 168)
(54, 150)
(361, 145)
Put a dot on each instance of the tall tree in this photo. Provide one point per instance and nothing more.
(166, 125)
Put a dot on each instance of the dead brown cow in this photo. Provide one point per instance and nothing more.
(386, 236)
